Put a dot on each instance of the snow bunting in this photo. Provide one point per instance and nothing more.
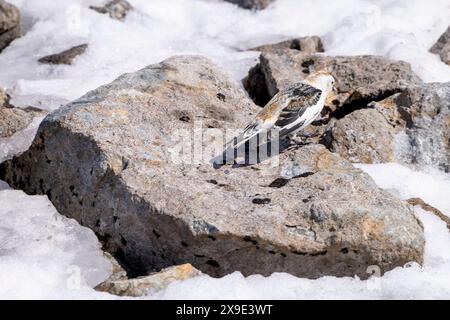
(290, 110)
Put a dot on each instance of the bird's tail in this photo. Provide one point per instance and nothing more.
(249, 132)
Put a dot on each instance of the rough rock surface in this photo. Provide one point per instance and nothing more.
(255, 83)
(422, 112)
(309, 44)
(363, 136)
(111, 160)
(141, 286)
(65, 57)
(442, 47)
(9, 24)
(359, 79)
(14, 119)
(252, 4)
(117, 9)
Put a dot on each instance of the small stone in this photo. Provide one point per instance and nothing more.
(14, 119)
(117, 9)
(65, 57)
(142, 286)
(252, 4)
(9, 24)
(442, 46)
(309, 44)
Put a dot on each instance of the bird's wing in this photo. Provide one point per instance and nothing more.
(288, 120)
(249, 132)
(290, 116)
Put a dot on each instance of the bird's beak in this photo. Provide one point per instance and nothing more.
(333, 95)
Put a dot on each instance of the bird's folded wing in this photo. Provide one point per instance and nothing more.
(290, 116)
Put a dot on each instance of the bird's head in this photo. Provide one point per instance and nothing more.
(322, 80)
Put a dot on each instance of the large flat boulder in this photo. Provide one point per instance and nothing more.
(112, 160)
(66, 56)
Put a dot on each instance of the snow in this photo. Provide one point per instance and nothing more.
(45, 255)
(158, 29)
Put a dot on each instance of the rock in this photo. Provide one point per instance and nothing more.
(442, 47)
(4, 98)
(65, 57)
(411, 127)
(252, 4)
(14, 119)
(359, 79)
(363, 136)
(141, 286)
(117, 9)
(114, 161)
(9, 24)
(305, 44)
(255, 83)
(422, 113)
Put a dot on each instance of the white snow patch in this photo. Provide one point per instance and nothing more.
(44, 255)
(432, 185)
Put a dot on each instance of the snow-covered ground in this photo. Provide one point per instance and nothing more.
(44, 255)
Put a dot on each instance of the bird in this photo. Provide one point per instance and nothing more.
(290, 110)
